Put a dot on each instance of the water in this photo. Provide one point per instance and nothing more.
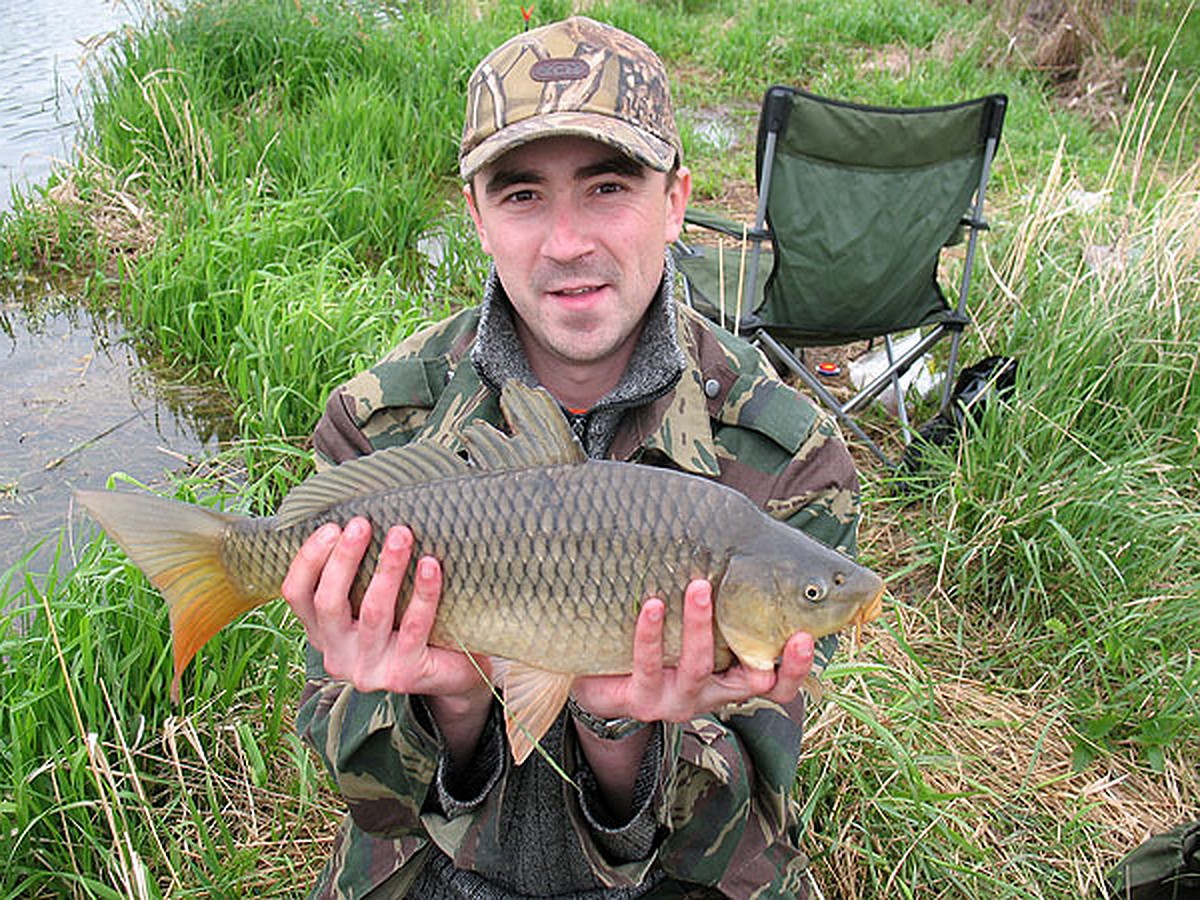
(43, 45)
(78, 404)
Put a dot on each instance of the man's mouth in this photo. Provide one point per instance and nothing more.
(579, 279)
(579, 294)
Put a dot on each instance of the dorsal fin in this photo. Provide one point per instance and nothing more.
(384, 470)
(541, 437)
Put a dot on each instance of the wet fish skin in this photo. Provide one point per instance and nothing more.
(549, 565)
(546, 556)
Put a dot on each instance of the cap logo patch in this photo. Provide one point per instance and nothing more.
(565, 69)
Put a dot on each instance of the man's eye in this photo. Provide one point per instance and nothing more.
(519, 197)
(610, 187)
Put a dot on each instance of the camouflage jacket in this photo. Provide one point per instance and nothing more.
(721, 805)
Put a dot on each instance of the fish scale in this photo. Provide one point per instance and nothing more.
(546, 556)
(529, 581)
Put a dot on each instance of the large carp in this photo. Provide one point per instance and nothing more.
(546, 555)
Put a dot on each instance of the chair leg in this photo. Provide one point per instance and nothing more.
(830, 401)
(951, 370)
(897, 388)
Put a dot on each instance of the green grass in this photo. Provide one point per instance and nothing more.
(1041, 678)
(260, 181)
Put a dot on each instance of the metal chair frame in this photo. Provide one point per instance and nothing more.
(774, 120)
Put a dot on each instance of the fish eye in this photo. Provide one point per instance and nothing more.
(813, 592)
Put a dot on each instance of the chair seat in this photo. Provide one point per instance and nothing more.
(827, 326)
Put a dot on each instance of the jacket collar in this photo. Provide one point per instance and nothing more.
(679, 424)
(663, 394)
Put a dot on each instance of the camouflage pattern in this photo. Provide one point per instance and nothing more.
(729, 418)
(725, 808)
(575, 77)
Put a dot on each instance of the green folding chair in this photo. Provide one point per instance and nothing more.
(855, 204)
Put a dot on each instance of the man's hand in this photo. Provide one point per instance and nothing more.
(655, 692)
(368, 651)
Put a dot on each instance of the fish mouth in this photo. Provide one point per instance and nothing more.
(869, 611)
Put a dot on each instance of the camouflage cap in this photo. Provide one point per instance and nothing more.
(574, 77)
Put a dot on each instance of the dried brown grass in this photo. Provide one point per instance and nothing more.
(1063, 41)
(1003, 757)
(235, 807)
(997, 761)
(112, 209)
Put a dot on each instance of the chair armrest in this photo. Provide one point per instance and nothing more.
(716, 222)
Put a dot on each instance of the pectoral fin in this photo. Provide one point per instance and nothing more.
(811, 685)
(751, 650)
(533, 698)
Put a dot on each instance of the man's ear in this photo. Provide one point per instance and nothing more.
(678, 193)
(480, 230)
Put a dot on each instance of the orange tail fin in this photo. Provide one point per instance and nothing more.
(178, 547)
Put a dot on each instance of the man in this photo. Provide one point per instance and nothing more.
(680, 778)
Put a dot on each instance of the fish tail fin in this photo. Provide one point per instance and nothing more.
(178, 547)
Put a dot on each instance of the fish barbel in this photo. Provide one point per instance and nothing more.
(546, 555)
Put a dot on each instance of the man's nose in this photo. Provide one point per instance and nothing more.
(567, 235)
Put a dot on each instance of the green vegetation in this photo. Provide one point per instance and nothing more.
(262, 183)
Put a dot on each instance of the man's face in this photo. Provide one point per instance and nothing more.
(577, 231)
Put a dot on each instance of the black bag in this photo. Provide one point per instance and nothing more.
(992, 376)
(977, 384)
(1166, 867)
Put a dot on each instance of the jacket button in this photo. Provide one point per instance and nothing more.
(712, 388)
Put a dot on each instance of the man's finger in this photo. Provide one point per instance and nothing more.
(333, 628)
(696, 657)
(333, 590)
(377, 614)
(417, 622)
(794, 666)
(304, 573)
(648, 645)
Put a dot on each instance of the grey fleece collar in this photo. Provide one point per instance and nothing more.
(656, 365)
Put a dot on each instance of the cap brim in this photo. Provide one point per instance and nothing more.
(647, 149)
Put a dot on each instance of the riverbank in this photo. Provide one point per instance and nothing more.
(78, 401)
(264, 186)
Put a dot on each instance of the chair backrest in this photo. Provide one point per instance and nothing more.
(859, 201)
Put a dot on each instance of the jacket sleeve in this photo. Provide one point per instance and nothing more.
(386, 754)
(379, 748)
(338, 436)
(382, 749)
